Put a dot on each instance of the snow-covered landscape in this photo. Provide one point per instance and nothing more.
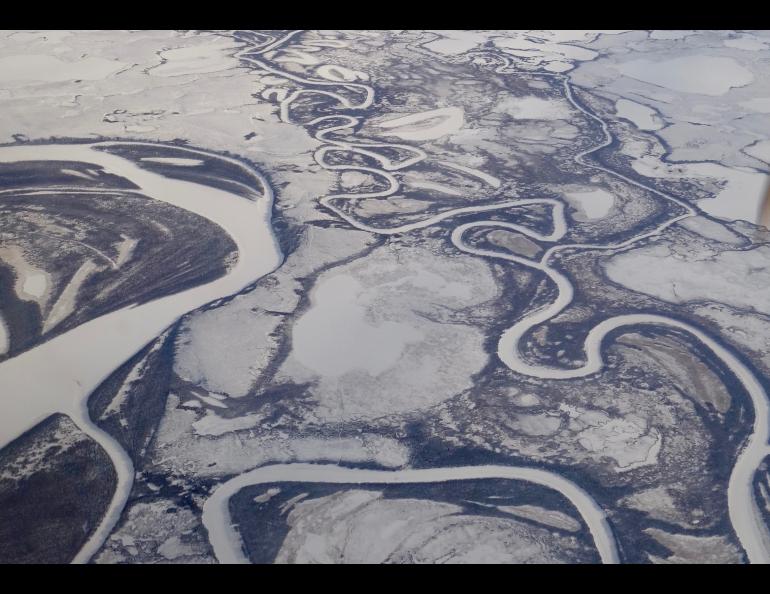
(384, 296)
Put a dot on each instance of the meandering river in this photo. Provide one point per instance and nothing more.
(745, 516)
(59, 375)
(228, 546)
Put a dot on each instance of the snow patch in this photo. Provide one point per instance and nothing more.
(45, 68)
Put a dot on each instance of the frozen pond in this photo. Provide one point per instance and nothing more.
(760, 150)
(427, 125)
(334, 337)
(592, 204)
(534, 108)
(642, 116)
(705, 75)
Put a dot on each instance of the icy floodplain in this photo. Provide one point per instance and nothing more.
(745, 515)
(76, 362)
(696, 75)
(740, 197)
